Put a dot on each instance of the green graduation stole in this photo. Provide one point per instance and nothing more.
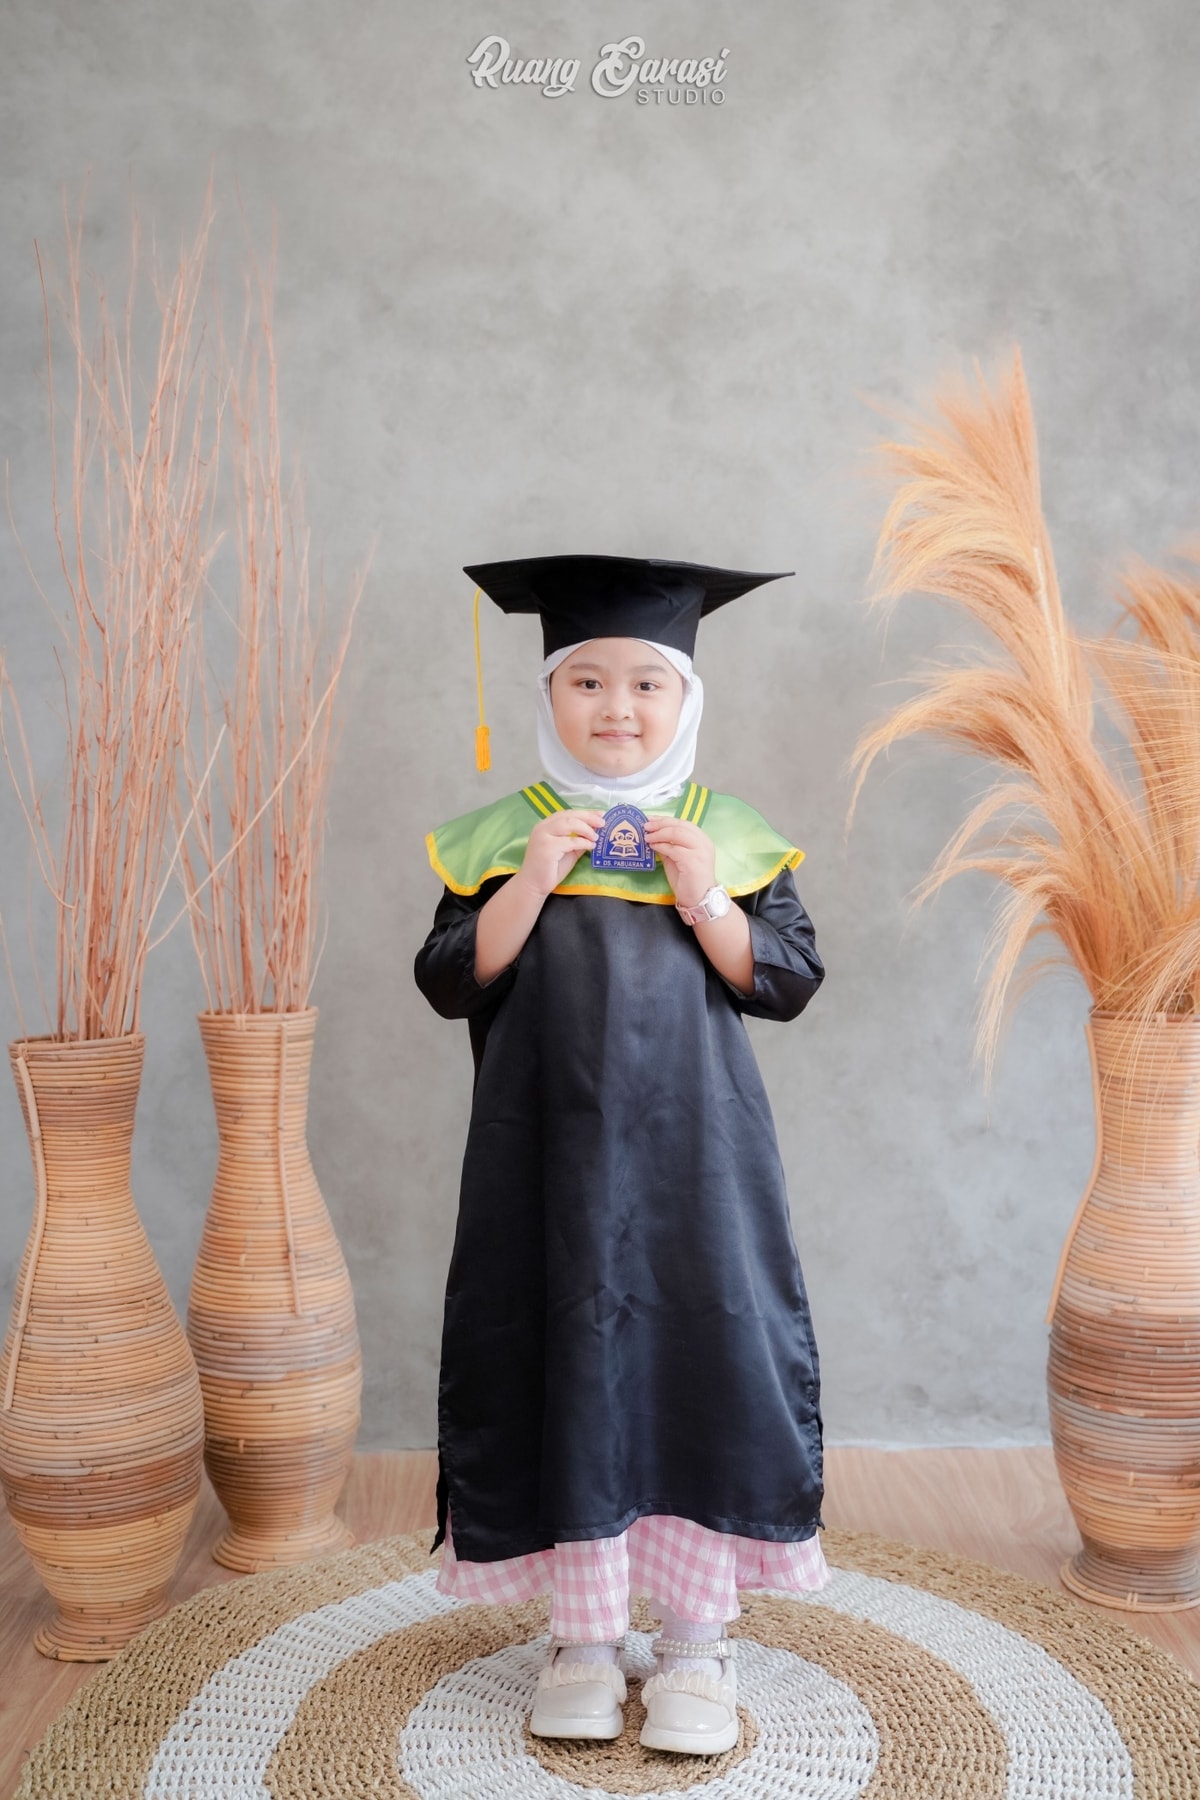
(491, 841)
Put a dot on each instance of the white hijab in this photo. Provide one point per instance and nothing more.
(660, 780)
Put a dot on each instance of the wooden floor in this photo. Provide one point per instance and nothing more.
(1003, 1507)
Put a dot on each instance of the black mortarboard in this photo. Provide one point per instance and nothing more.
(582, 597)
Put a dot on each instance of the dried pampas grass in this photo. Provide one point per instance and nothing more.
(1093, 823)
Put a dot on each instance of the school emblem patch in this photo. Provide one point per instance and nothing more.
(622, 840)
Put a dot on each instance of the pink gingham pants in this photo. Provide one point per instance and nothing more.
(675, 1563)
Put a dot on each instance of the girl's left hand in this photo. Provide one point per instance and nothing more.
(688, 855)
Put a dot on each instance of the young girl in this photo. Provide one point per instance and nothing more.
(629, 1391)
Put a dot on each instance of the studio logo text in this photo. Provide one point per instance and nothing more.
(621, 66)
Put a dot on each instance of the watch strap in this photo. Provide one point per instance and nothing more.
(694, 915)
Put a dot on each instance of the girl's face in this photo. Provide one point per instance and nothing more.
(616, 704)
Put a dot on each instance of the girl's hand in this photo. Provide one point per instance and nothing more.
(555, 846)
(688, 855)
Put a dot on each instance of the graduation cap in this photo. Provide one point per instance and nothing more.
(582, 597)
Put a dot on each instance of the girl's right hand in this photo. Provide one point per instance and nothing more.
(555, 846)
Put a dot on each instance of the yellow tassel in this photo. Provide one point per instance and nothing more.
(483, 737)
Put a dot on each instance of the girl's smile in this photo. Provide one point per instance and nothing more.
(616, 704)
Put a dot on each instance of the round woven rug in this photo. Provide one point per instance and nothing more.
(912, 1675)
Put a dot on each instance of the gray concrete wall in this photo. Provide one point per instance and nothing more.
(512, 324)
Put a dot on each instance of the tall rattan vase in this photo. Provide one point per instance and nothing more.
(271, 1319)
(100, 1418)
(1124, 1372)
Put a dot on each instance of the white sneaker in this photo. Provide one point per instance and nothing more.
(578, 1699)
(688, 1710)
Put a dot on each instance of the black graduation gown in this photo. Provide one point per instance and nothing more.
(626, 1326)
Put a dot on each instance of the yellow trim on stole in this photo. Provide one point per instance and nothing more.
(439, 868)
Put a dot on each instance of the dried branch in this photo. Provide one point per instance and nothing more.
(252, 904)
(133, 534)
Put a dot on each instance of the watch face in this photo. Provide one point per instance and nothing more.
(718, 903)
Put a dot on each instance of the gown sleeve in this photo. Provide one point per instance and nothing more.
(445, 964)
(787, 969)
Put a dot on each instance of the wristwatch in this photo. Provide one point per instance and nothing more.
(715, 904)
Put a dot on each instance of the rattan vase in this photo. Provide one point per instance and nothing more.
(101, 1425)
(1124, 1371)
(271, 1319)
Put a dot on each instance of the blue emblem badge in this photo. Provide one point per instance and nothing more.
(622, 841)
